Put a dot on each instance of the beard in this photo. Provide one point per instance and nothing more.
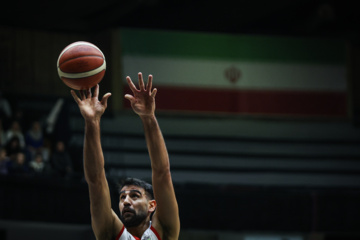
(134, 220)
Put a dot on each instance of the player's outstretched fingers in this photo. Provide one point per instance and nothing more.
(141, 82)
(153, 93)
(88, 93)
(129, 97)
(149, 83)
(105, 99)
(96, 91)
(76, 98)
(82, 95)
(131, 85)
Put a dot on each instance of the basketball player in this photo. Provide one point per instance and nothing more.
(136, 202)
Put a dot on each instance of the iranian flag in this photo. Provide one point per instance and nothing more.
(241, 74)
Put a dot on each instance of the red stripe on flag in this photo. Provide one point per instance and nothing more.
(264, 102)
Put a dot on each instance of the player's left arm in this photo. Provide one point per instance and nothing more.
(167, 213)
(166, 217)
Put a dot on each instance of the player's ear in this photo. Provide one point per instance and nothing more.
(152, 205)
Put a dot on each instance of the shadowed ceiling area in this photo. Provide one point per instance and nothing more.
(294, 18)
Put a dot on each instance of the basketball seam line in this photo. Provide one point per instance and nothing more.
(82, 74)
(81, 57)
(76, 44)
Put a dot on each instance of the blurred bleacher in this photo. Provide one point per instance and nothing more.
(298, 160)
(230, 173)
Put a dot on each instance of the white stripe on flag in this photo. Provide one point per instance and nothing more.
(258, 75)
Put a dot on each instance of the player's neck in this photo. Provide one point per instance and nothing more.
(139, 230)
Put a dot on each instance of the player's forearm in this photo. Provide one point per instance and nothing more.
(156, 145)
(93, 155)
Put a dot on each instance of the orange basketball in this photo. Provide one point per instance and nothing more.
(81, 65)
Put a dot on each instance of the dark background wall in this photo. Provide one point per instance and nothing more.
(300, 175)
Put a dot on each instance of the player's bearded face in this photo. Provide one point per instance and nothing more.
(133, 206)
(131, 217)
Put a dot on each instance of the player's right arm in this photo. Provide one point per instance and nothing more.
(106, 225)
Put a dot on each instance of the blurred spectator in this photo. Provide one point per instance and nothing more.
(46, 149)
(15, 130)
(2, 134)
(38, 166)
(4, 161)
(13, 147)
(34, 139)
(18, 166)
(61, 161)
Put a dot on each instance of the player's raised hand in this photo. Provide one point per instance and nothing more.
(90, 106)
(143, 99)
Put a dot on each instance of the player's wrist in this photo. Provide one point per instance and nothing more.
(147, 116)
(92, 122)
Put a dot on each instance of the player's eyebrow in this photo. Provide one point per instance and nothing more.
(132, 190)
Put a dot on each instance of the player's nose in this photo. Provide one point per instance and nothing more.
(127, 200)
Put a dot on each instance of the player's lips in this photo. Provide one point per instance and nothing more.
(128, 210)
(127, 215)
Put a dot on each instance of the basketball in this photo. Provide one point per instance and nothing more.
(81, 65)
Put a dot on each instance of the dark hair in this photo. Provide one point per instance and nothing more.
(139, 183)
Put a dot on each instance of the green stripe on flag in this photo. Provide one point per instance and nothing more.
(232, 47)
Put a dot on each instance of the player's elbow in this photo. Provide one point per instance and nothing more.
(94, 178)
(161, 170)
(162, 173)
